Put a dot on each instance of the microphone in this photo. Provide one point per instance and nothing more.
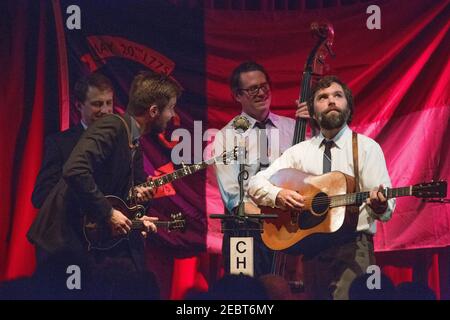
(241, 124)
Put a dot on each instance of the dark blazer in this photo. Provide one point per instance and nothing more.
(100, 164)
(57, 150)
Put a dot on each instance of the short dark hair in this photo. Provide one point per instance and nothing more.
(247, 66)
(150, 88)
(96, 80)
(324, 83)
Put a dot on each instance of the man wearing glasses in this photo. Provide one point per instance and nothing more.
(267, 136)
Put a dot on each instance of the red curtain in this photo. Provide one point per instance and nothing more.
(400, 76)
(25, 73)
(427, 266)
(400, 79)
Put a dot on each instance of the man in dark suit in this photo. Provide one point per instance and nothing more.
(93, 98)
(103, 163)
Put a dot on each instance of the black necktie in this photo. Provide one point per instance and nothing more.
(263, 145)
(327, 155)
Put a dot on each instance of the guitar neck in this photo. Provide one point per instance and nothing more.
(359, 197)
(139, 225)
(177, 174)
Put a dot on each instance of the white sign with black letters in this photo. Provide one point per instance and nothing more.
(241, 255)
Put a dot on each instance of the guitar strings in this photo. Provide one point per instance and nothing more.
(185, 171)
(322, 200)
(329, 199)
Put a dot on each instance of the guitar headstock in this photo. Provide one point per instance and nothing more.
(177, 222)
(433, 189)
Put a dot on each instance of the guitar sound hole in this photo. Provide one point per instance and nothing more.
(320, 203)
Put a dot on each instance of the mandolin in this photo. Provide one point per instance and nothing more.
(187, 170)
(99, 236)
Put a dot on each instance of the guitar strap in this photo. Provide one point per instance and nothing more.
(130, 142)
(133, 151)
(355, 159)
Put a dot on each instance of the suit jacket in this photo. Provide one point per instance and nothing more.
(57, 150)
(100, 164)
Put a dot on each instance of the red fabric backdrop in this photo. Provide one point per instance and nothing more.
(399, 75)
(26, 31)
(400, 78)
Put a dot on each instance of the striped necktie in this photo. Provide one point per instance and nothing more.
(327, 155)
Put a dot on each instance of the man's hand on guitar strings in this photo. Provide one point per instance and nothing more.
(119, 223)
(289, 199)
(377, 201)
(144, 194)
(149, 225)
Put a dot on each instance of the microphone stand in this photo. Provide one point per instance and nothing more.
(239, 225)
(239, 218)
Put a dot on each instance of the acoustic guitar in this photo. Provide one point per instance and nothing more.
(331, 207)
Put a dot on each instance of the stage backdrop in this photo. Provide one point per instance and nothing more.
(400, 80)
(399, 75)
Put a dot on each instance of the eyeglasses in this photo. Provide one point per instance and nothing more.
(254, 90)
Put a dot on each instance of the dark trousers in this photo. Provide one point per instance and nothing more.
(130, 253)
(329, 273)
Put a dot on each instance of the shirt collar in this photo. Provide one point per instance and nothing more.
(83, 124)
(339, 138)
(271, 118)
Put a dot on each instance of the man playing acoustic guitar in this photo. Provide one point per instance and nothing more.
(330, 266)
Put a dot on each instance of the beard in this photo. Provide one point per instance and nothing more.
(157, 128)
(332, 120)
(162, 124)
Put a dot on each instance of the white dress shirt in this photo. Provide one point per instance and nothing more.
(307, 156)
(279, 130)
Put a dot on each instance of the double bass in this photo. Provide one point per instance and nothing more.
(286, 265)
